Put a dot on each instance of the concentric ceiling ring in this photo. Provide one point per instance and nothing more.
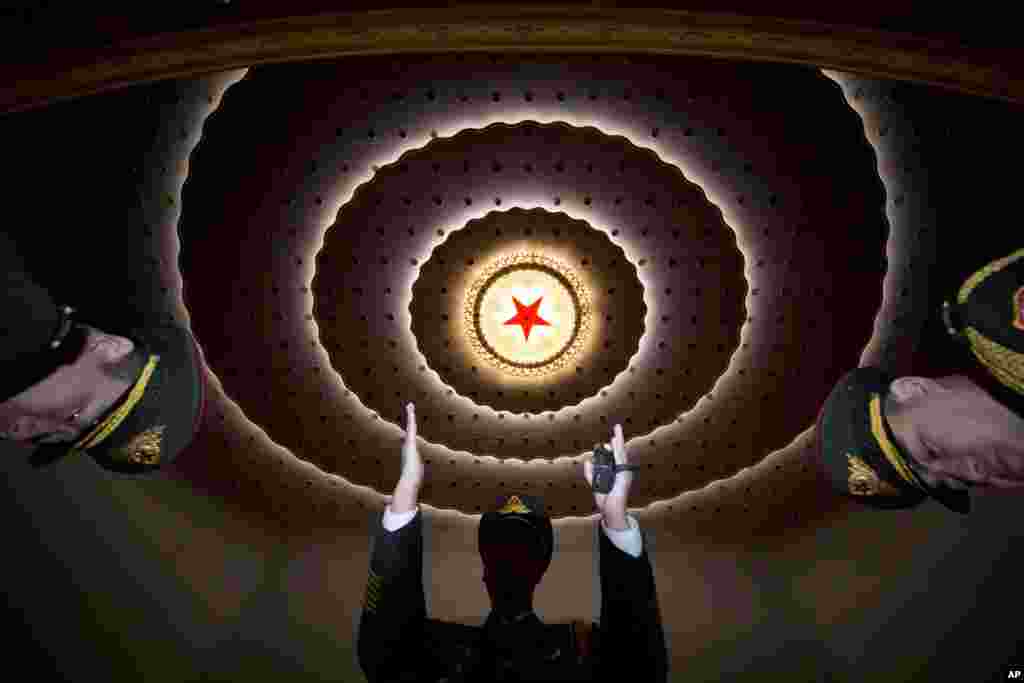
(576, 301)
(614, 282)
(323, 351)
(500, 282)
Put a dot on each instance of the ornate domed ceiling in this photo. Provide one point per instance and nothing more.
(532, 246)
(533, 250)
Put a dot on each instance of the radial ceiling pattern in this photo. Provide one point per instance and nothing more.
(510, 346)
(705, 283)
(533, 250)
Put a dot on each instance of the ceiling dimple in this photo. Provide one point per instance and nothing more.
(352, 253)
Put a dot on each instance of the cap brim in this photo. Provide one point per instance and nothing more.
(845, 427)
(957, 501)
(172, 402)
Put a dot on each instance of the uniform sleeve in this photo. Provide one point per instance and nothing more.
(631, 644)
(391, 626)
(394, 521)
(21, 299)
(90, 244)
(125, 265)
(21, 294)
(627, 540)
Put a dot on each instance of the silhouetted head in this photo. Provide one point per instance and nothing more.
(516, 543)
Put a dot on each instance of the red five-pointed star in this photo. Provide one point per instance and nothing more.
(527, 316)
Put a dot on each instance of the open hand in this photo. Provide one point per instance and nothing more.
(412, 464)
(613, 503)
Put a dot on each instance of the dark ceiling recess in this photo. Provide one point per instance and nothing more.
(739, 203)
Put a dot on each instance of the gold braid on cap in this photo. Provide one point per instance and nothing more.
(889, 449)
(863, 481)
(104, 429)
(1005, 364)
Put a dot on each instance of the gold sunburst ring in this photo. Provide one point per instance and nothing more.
(527, 315)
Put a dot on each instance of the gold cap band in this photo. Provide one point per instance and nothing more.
(889, 449)
(107, 427)
(1005, 364)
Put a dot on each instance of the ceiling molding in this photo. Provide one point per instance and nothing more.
(574, 29)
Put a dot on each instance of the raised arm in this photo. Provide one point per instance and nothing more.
(612, 505)
(394, 611)
(631, 641)
(408, 489)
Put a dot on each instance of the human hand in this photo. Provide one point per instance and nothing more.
(412, 463)
(612, 504)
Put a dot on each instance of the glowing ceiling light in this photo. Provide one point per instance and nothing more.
(505, 303)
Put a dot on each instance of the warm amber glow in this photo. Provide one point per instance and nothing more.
(510, 340)
(536, 281)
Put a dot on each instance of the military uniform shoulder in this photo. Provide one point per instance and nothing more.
(126, 320)
(451, 650)
(444, 636)
(161, 333)
(580, 635)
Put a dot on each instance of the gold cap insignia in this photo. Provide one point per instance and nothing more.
(1018, 311)
(144, 448)
(514, 505)
(863, 481)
